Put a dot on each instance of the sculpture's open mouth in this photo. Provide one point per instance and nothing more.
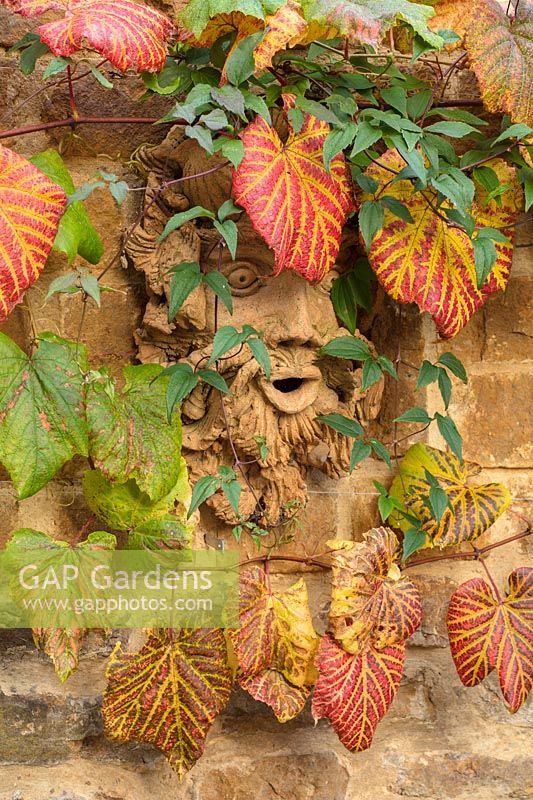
(292, 393)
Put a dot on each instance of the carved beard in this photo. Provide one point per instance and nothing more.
(296, 441)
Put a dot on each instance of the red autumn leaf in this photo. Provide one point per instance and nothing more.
(355, 691)
(501, 53)
(62, 646)
(275, 644)
(294, 203)
(432, 264)
(168, 693)
(30, 209)
(488, 633)
(128, 34)
(372, 602)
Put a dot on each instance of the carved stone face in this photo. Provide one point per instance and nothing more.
(296, 319)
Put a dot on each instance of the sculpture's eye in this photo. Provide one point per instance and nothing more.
(242, 278)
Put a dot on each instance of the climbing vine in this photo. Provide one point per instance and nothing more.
(330, 115)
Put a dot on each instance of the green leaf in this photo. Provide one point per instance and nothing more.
(455, 366)
(451, 435)
(396, 97)
(367, 183)
(101, 78)
(232, 149)
(123, 506)
(415, 414)
(214, 379)
(344, 425)
(427, 374)
(371, 374)
(232, 490)
(185, 279)
(227, 209)
(366, 136)
(75, 234)
(317, 110)
(177, 220)
(336, 141)
(255, 103)
(240, 64)
(485, 256)
(65, 283)
(230, 98)
(56, 66)
(182, 381)
(460, 190)
(360, 451)
(228, 231)
(129, 434)
(119, 190)
(438, 501)
(456, 130)
(371, 218)
(387, 366)
(381, 451)
(202, 135)
(218, 283)
(445, 387)
(518, 131)
(349, 347)
(397, 207)
(30, 55)
(42, 409)
(225, 339)
(385, 507)
(260, 353)
(413, 540)
(91, 287)
(203, 489)
(166, 533)
(457, 114)
(215, 120)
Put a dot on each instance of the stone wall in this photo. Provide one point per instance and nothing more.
(439, 740)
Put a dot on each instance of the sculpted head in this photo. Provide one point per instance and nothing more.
(296, 319)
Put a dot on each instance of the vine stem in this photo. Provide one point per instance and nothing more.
(73, 122)
(314, 561)
(71, 97)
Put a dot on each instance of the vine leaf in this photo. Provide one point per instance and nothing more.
(368, 21)
(195, 15)
(286, 26)
(486, 633)
(169, 692)
(129, 434)
(128, 34)
(294, 203)
(501, 54)
(275, 644)
(429, 263)
(355, 691)
(372, 603)
(42, 411)
(31, 206)
(75, 234)
(473, 509)
(124, 506)
(61, 645)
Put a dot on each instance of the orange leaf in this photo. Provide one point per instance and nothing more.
(168, 693)
(294, 203)
(372, 603)
(237, 23)
(282, 28)
(456, 16)
(432, 264)
(30, 210)
(128, 34)
(487, 633)
(62, 646)
(501, 54)
(355, 691)
(275, 644)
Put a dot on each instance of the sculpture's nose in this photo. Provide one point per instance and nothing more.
(298, 316)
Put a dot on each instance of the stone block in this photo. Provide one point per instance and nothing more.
(509, 323)
(493, 414)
